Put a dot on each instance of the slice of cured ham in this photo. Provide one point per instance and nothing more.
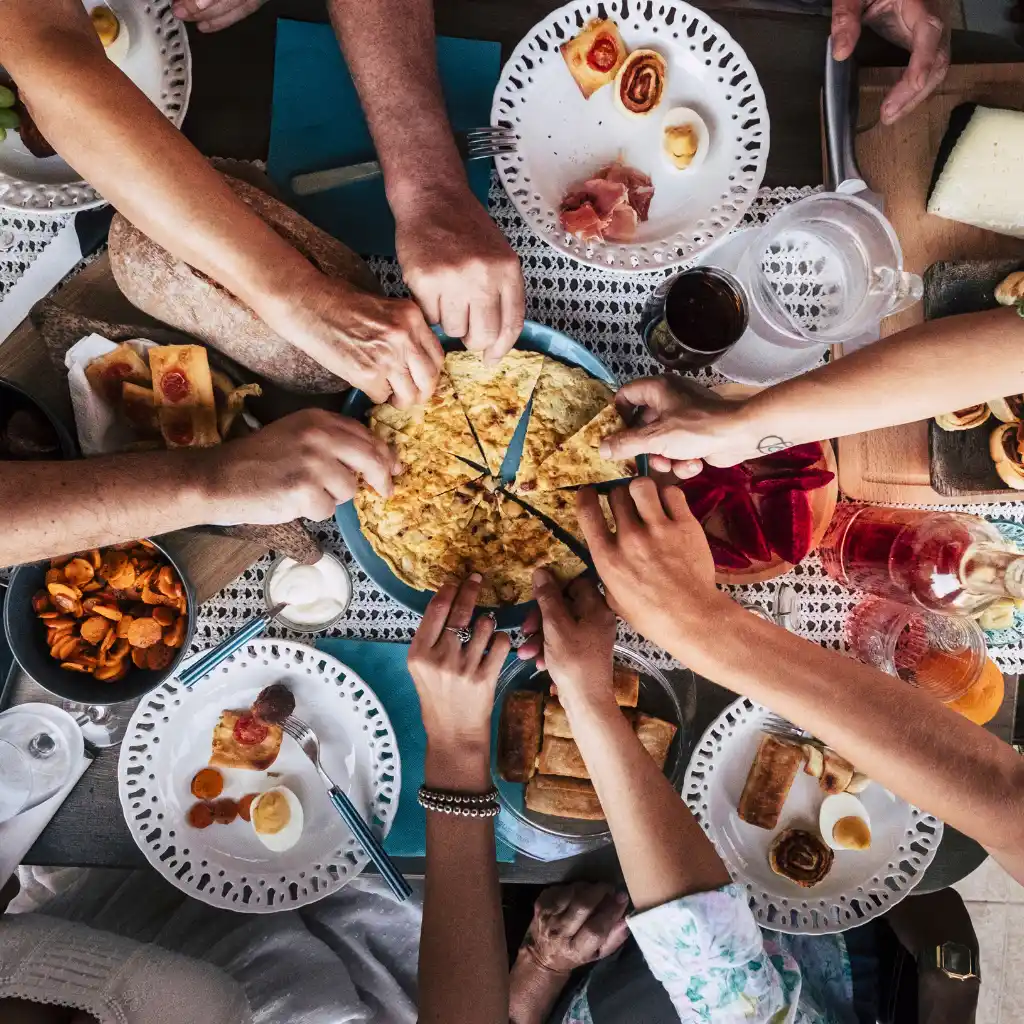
(609, 205)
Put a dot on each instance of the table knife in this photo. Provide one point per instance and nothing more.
(841, 105)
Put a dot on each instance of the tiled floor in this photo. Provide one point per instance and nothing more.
(996, 905)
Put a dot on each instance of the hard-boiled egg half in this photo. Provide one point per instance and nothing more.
(844, 823)
(276, 816)
(113, 32)
(685, 139)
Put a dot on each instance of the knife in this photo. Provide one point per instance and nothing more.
(841, 106)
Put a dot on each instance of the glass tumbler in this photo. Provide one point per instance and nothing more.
(938, 653)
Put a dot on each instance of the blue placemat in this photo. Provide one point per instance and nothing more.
(382, 665)
(317, 123)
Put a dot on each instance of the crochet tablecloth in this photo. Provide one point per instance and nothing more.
(598, 309)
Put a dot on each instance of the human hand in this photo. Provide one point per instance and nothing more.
(572, 636)
(656, 566)
(911, 24)
(683, 423)
(461, 270)
(575, 925)
(213, 15)
(455, 681)
(382, 346)
(304, 464)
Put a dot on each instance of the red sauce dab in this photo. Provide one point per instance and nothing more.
(225, 811)
(603, 54)
(245, 806)
(250, 731)
(175, 386)
(180, 431)
(200, 815)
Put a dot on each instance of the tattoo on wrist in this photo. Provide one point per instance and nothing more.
(772, 443)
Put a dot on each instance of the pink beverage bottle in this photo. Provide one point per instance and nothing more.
(944, 561)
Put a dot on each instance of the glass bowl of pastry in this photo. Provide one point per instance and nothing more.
(549, 809)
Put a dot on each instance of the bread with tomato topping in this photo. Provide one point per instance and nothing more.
(230, 752)
(183, 391)
(595, 55)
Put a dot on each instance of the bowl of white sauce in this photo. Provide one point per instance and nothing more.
(315, 597)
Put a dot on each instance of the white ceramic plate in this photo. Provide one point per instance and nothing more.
(563, 138)
(168, 741)
(861, 885)
(158, 62)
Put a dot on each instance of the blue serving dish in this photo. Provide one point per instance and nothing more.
(535, 338)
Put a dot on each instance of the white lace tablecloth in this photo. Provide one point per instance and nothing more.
(600, 310)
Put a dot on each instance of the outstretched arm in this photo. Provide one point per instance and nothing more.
(456, 262)
(463, 973)
(107, 129)
(659, 576)
(926, 370)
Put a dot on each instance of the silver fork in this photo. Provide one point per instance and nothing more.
(783, 728)
(476, 144)
(310, 746)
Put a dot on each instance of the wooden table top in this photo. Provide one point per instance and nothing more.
(229, 116)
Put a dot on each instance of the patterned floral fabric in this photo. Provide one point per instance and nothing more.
(719, 968)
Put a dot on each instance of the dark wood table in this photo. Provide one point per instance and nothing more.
(229, 116)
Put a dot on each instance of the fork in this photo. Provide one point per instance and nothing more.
(783, 728)
(476, 144)
(309, 744)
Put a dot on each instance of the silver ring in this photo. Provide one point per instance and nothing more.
(464, 634)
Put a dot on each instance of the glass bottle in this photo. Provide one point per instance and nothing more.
(946, 562)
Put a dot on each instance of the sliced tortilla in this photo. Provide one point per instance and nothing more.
(494, 395)
(427, 471)
(578, 461)
(530, 545)
(414, 536)
(440, 422)
(560, 506)
(565, 399)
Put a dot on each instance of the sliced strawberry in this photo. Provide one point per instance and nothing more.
(705, 502)
(726, 555)
(787, 521)
(801, 479)
(744, 528)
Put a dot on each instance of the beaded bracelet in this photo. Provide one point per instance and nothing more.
(467, 805)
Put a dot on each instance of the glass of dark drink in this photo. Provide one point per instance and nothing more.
(697, 317)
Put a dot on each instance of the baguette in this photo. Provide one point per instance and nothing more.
(563, 798)
(519, 734)
(769, 780)
(170, 290)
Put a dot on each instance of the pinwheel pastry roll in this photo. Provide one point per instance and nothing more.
(1009, 409)
(1006, 446)
(800, 856)
(640, 83)
(964, 419)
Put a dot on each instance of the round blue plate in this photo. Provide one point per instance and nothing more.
(535, 338)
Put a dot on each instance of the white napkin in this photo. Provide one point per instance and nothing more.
(17, 834)
(100, 430)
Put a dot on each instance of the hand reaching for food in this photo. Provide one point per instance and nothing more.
(572, 636)
(213, 15)
(656, 566)
(455, 680)
(681, 424)
(462, 271)
(911, 24)
(302, 465)
(382, 346)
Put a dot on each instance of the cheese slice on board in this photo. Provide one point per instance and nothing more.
(565, 399)
(494, 395)
(440, 421)
(578, 460)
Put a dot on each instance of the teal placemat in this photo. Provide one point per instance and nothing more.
(382, 666)
(317, 123)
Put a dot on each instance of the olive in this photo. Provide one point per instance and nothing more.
(8, 118)
(7, 97)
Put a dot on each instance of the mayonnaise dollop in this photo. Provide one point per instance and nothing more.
(313, 595)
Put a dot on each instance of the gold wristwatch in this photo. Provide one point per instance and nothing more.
(955, 960)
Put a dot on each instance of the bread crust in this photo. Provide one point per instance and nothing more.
(170, 290)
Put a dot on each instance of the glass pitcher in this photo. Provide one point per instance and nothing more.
(826, 269)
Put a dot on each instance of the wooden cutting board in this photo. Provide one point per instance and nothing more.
(211, 562)
(891, 465)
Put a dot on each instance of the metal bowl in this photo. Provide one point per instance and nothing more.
(27, 638)
(14, 396)
(547, 837)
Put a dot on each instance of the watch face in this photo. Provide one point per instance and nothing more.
(956, 959)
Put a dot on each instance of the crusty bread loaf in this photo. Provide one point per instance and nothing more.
(170, 290)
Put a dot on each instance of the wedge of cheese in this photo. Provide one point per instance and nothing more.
(980, 182)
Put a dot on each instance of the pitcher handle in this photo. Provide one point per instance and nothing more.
(908, 289)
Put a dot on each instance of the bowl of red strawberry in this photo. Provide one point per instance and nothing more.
(765, 515)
